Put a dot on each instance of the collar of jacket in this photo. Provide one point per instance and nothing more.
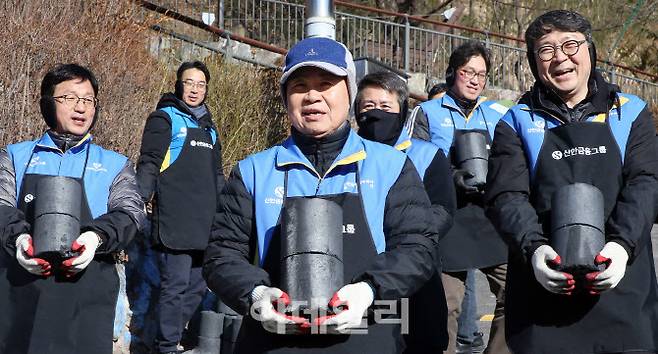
(449, 102)
(403, 142)
(47, 143)
(600, 98)
(290, 154)
(170, 100)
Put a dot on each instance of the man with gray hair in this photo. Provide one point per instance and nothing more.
(381, 111)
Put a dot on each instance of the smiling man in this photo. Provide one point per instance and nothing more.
(472, 242)
(69, 306)
(574, 127)
(179, 173)
(388, 239)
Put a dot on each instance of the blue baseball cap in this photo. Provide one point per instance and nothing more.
(323, 53)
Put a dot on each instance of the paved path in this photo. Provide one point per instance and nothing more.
(487, 302)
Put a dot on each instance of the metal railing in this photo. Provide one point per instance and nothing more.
(418, 48)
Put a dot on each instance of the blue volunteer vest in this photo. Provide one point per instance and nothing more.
(102, 166)
(532, 127)
(444, 116)
(180, 122)
(263, 175)
(420, 152)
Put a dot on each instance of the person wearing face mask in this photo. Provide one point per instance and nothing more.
(179, 173)
(389, 237)
(574, 127)
(53, 304)
(381, 105)
(472, 242)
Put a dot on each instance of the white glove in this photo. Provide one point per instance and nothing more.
(356, 298)
(25, 257)
(86, 244)
(263, 299)
(615, 257)
(552, 280)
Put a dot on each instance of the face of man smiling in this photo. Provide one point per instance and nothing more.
(564, 74)
(318, 101)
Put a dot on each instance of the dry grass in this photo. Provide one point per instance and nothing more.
(100, 34)
(247, 108)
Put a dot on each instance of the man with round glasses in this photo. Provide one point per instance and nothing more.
(575, 128)
(472, 242)
(179, 173)
(53, 304)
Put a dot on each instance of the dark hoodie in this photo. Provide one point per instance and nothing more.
(322, 152)
(157, 138)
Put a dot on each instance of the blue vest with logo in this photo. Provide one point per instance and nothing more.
(47, 159)
(532, 127)
(420, 152)
(180, 122)
(444, 116)
(263, 175)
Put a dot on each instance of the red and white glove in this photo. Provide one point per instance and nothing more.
(552, 280)
(86, 244)
(355, 298)
(263, 299)
(25, 257)
(615, 257)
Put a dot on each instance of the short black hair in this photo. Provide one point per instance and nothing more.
(66, 72)
(560, 20)
(437, 89)
(462, 54)
(557, 20)
(386, 80)
(193, 65)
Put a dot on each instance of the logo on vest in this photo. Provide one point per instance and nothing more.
(96, 167)
(349, 186)
(579, 151)
(28, 198)
(36, 161)
(278, 196)
(539, 127)
(182, 132)
(368, 183)
(201, 144)
(349, 229)
(447, 122)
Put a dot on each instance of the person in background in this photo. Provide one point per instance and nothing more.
(472, 242)
(67, 307)
(469, 338)
(389, 237)
(381, 105)
(179, 173)
(575, 127)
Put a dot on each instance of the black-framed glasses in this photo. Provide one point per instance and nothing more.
(201, 85)
(569, 48)
(73, 100)
(470, 75)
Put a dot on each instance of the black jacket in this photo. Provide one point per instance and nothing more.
(508, 188)
(155, 142)
(538, 321)
(410, 243)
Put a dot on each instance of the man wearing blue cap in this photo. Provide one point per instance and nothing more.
(388, 236)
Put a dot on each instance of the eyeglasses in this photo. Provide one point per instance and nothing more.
(72, 100)
(569, 48)
(470, 75)
(191, 84)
